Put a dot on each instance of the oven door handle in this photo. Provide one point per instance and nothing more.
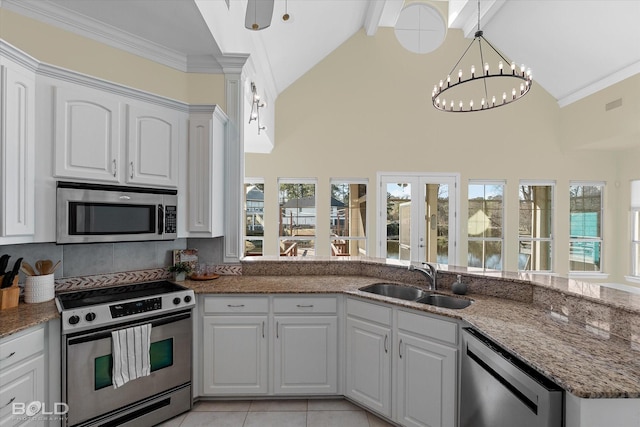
(95, 336)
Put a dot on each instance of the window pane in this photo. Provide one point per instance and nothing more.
(584, 256)
(635, 248)
(254, 209)
(348, 217)
(636, 226)
(253, 247)
(535, 211)
(399, 221)
(586, 209)
(297, 209)
(443, 225)
(485, 254)
(485, 210)
(290, 247)
(534, 255)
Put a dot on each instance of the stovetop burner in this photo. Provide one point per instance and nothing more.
(95, 296)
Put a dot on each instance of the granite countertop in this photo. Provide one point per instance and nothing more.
(24, 316)
(588, 362)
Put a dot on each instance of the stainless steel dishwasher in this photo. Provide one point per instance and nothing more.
(500, 390)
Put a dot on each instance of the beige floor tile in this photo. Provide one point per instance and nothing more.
(337, 419)
(276, 419)
(173, 422)
(217, 419)
(278, 405)
(222, 406)
(374, 421)
(331, 405)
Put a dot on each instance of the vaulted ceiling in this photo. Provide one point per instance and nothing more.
(575, 47)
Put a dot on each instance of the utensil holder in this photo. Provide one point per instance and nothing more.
(9, 296)
(39, 288)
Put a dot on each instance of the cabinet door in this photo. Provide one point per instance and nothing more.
(152, 151)
(22, 385)
(234, 355)
(369, 365)
(207, 134)
(17, 114)
(426, 383)
(87, 134)
(306, 355)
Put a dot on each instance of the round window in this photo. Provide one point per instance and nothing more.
(420, 28)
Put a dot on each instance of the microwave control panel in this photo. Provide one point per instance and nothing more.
(170, 219)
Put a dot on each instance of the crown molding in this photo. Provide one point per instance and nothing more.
(99, 31)
(14, 54)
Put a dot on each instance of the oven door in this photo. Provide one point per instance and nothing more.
(89, 388)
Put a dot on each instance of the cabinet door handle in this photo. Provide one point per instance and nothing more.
(386, 349)
(263, 329)
(235, 305)
(277, 330)
(115, 168)
(400, 349)
(131, 176)
(10, 402)
(10, 355)
(304, 306)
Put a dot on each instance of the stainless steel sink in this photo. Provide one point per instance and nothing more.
(409, 293)
(394, 290)
(444, 301)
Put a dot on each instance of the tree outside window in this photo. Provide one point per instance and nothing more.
(485, 225)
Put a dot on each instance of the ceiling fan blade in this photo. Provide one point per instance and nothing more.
(259, 14)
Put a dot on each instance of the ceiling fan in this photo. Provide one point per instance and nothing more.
(259, 14)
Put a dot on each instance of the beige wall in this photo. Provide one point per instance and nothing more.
(58, 47)
(366, 108)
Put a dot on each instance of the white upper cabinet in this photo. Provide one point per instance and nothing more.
(17, 149)
(207, 139)
(101, 136)
(152, 149)
(87, 134)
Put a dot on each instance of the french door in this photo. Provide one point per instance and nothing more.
(418, 217)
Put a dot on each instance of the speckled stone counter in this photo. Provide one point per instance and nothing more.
(24, 316)
(584, 336)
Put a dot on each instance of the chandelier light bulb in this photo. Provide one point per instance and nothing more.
(473, 71)
(486, 68)
(471, 104)
(448, 80)
(513, 67)
(482, 103)
(493, 101)
(500, 66)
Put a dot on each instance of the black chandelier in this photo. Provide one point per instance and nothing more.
(486, 92)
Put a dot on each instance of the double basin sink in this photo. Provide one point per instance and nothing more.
(409, 293)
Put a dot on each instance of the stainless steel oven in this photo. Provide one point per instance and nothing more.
(88, 320)
(89, 213)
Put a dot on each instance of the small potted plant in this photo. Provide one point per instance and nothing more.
(180, 270)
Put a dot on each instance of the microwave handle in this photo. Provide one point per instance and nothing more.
(160, 219)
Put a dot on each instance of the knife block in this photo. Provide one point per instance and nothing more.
(9, 296)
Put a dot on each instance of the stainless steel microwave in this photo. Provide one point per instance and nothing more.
(90, 213)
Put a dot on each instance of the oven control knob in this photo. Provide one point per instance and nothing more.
(90, 317)
(187, 298)
(74, 319)
(176, 300)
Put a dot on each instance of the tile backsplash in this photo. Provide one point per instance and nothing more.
(100, 258)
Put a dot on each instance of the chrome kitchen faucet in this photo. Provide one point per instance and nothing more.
(430, 272)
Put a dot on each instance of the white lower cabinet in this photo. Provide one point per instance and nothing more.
(412, 353)
(243, 355)
(305, 358)
(426, 388)
(368, 361)
(22, 378)
(235, 348)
